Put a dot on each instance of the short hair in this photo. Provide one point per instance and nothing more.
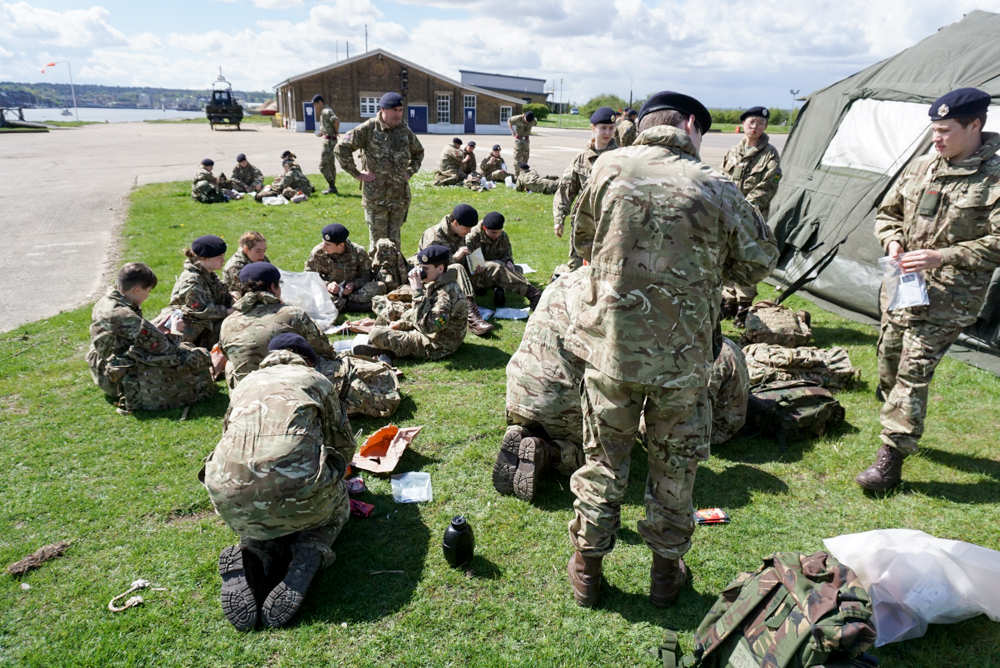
(251, 239)
(247, 287)
(663, 117)
(136, 274)
(966, 121)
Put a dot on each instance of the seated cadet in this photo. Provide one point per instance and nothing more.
(289, 184)
(495, 244)
(434, 326)
(469, 158)
(288, 155)
(492, 166)
(205, 185)
(276, 479)
(198, 294)
(253, 248)
(345, 268)
(245, 177)
(528, 180)
(389, 267)
(449, 171)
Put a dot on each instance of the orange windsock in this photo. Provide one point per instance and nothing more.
(48, 65)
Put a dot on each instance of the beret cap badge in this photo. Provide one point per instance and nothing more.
(943, 110)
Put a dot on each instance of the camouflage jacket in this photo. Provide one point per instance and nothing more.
(393, 155)
(248, 176)
(625, 132)
(963, 223)
(204, 175)
(328, 124)
(440, 312)
(117, 325)
(575, 178)
(201, 297)
(294, 179)
(231, 272)
(388, 266)
(468, 161)
(351, 266)
(522, 127)
(451, 159)
(660, 230)
(442, 235)
(285, 447)
(756, 171)
(490, 164)
(729, 391)
(493, 251)
(530, 181)
(258, 318)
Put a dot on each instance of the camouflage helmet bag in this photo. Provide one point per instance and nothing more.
(829, 367)
(793, 410)
(768, 322)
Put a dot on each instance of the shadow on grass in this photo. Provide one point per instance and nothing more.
(842, 336)
(983, 491)
(734, 487)
(406, 410)
(215, 406)
(484, 569)
(758, 448)
(472, 356)
(684, 615)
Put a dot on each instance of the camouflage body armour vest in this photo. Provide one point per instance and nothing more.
(767, 322)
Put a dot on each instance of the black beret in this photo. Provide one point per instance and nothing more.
(496, 147)
(529, 116)
(472, 144)
(960, 103)
(523, 165)
(208, 246)
(335, 233)
(465, 215)
(208, 162)
(265, 272)
(295, 343)
(631, 112)
(390, 101)
(763, 112)
(241, 157)
(317, 98)
(603, 115)
(683, 103)
(287, 154)
(456, 140)
(434, 254)
(494, 220)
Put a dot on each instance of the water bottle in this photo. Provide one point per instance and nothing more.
(459, 544)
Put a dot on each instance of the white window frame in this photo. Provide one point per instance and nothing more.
(465, 102)
(505, 114)
(443, 102)
(369, 107)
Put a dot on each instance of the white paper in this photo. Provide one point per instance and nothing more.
(476, 260)
(509, 181)
(525, 269)
(360, 340)
(485, 313)
(412, 487)
(512, 313)
(343, 346)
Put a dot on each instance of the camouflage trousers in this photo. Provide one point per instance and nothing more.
(206, 193)
(385, 223)
(328, 162)
(498, 176)
(450, 177)
(678, 430)
(400, 343)
(741, 294)
(907, 358)
(241, 187)
(499, 275)
(319, 538)
(575, 261)
(522, 151)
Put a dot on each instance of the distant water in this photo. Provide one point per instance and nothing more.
(109, 115)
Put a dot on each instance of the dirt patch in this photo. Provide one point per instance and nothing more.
(113, 255)
(11, 404)
(37, 558)
(176, 518)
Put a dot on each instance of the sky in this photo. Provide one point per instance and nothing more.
(726, 53)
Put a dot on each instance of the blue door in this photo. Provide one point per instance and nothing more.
(309, 114)
(470, 120)
(417, 118)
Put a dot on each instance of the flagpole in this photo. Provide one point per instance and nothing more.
(73, 91)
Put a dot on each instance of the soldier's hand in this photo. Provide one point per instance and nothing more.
(461, 252)
(920, 260)
(347, 289)
(895, 248)
(333, 288)
(367, 177)
(177, 326)
(396, 324)
(416, 282)
(236, 296)
(558, 228)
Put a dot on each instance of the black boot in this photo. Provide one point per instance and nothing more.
(332, 190)
(534, 294)
(885, 473)
(499, 298)
(239, 601)
(285, 600)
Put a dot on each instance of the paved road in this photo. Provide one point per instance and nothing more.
(63, 193)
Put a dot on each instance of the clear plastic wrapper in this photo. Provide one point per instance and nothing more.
(412, 487)
(903, 290)
(306, 290)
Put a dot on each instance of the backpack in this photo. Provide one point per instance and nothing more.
(793, 410)
(767, 322)
(795, 611)
(829, 367)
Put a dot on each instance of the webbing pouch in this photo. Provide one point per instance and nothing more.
(929, 202)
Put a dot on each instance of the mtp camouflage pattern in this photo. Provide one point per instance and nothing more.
(366, 386)
(767, 322)
(449, 171)
(328, 159)
(756, 170)
(231, 272)
(570, 186)
(498, 250)
(728, 391)
(829, 367)
(293, 180)
(352, 266)
(433, 327)
(492, 168)
(389, 267)
(246, 179)
(529, 180)
(205, 188)
(625, 132)
(522, 140)
(203, 299)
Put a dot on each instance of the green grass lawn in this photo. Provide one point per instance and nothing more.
(123, 491)
(255, 118)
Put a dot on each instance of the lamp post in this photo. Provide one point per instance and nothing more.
(791, 117)
(560, 102)
(71, 88)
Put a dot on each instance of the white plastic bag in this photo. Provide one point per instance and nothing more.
(904, 290)
(276, 200)
(412, 487)
(509, 181)
(915, 579)
(307, 290)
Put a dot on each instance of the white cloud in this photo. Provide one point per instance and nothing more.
(277, 4)
(77, 28)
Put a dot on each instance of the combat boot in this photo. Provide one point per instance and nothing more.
(285, 600)
(742, 311)
(506, 464)
(729, 309)
(239, 600)
(499, 298)
(666, 578)
(332, 190)
(534, 294)
(532, 459)
(885, 473)
(478, 326)
(585, 576)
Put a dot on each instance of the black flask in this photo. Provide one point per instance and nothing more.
(459, 544)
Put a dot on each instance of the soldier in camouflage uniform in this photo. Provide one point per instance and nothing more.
(276, 479)
(199, 295)
(449, 171)
(625, 130)
(492, 166)
(575, 177)
(469, 158)
(755, 167)
(728, 392)
(205, 185)
(329, 129)
(390, 155)
(288, 184)
(245, 177)
(345, 268)
(520, 127)
(253, 248)
(942, 217)
(489, 237)
(528, 180)
(389, 268)
(660, 229)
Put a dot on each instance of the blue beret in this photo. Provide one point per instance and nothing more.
(678, 101)
(456, 140)
(960, 103)
(293, 342)
(241, 157)
(763, 112)
(631, 112)
(494, 220)
(335, 233)
(603, 115)
(287, 154)
(472, 144)
(390, 101)
(529, 116)
(265, 272)
(523, 165)
(208, 162)
(496, 147)
(208, 246)
(317, 98)
(465, 215)
(434, 254)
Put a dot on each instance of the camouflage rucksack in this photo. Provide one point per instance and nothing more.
(792, 410)
(158, 382)
(796, 611)
(767, 322)
(829, 367)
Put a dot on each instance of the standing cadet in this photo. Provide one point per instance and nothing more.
(942, 217)
(390, 155)
(245, 177)
(520, 127)
(492, 166)
(198, 294)
(253, 248)
(625, 130)
(329, 128)
(660, 229)
(449, 171)
(345, 268)
(755, 167)
(602, 128)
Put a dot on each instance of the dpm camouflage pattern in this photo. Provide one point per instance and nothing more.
(205, 189)
(530, 181)
(234, 265)
(246, 179)
(278, 468)
(366, 386)
(352, 266)
(768, 322)
(433, 327)
(829, 367)
(728, 390)
(756, 171)
(203, 299)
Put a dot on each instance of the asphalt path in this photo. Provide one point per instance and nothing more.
(64, 193)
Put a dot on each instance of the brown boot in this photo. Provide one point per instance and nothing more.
(478, 326)
(885, 473)
(534, 294)
(585, 576)
(666, 577)
(533, 458)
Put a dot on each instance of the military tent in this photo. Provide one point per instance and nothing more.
(850, 142)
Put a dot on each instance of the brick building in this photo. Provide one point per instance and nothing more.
(435, 103)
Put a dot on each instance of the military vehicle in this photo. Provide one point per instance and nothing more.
(223, 108)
